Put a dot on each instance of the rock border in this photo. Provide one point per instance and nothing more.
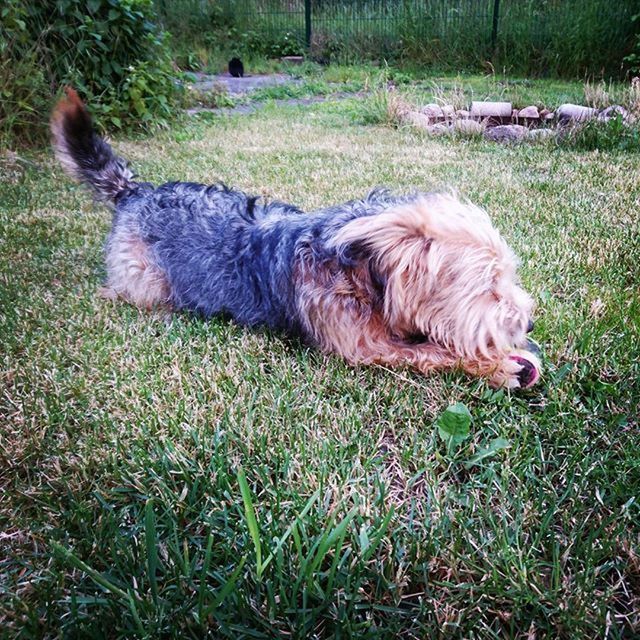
(501, 122)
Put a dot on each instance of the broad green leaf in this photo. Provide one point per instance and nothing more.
(454, 423)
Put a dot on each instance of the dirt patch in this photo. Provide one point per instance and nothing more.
(239, 86)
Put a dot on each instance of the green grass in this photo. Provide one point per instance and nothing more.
(171, 477)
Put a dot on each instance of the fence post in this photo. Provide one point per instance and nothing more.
(307, 23)
(494, 30)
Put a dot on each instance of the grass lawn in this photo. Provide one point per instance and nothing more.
(174, 477)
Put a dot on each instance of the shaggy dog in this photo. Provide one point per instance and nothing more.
(422, 280)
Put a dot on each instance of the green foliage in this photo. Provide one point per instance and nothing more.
(454, 424)
(633, 59)
(24, 90)
(611, 135)
(110, 50)
(226, 27)
(538, 38)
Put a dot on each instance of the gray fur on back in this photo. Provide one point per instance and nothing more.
(224, 252)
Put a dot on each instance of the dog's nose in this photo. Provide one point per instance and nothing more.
(530, 326)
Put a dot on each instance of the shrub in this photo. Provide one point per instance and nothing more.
(633, 59)
(110, 50)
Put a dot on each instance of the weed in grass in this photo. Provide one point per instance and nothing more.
(598, 94)
(382, 104)
(214, 98)
(453, 95)
(299, 90)
(597, 135)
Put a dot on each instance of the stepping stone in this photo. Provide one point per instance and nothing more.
(468, 127)
(433, 111)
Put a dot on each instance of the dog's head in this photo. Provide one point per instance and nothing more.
(449, 277)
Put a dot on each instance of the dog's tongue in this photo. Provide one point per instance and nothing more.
(531, 365)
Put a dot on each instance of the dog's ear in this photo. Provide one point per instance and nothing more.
(397, 244)
(379, 235)
(394, 240)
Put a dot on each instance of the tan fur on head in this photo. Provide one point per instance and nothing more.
(449, 276)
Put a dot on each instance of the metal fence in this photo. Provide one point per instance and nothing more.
(366, 16)
(578, 34)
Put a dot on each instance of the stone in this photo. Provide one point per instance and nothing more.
(506, 133)
(433, 111)
(463, 114)
(438, 129)
(529, 112)
(612, 112)
(551, 115)
(575, 113)
(468, 127)
(536, 135)
(491, 109)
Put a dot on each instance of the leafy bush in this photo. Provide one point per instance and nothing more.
(110, 50)
(633, 59)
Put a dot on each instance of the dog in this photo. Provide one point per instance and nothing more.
(421, 280)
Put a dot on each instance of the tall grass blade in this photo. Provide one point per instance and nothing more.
(375, 541)
(290, 528)
(225, 591)
(250, 516)
(97, 577)
(329, 539)
(203, 575)
(151, 543)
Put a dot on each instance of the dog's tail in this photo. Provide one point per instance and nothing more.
(83, 153)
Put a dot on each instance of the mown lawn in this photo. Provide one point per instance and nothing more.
(127, 437)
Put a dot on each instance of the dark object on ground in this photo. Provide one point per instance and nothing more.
(236, 68)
